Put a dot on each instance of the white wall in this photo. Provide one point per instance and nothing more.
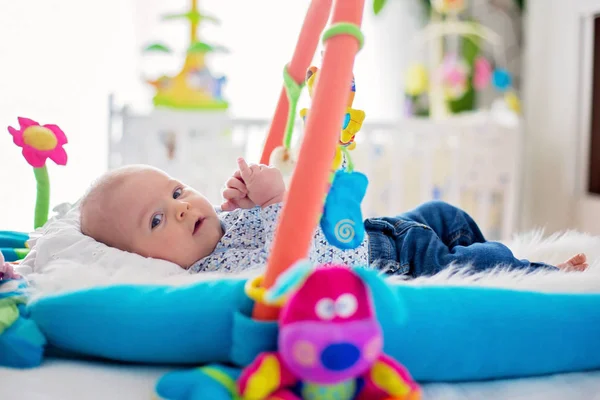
(59, 61)
(62, 58)
(552, 106)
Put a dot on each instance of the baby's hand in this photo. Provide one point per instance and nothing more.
(264, 184)
(7, 271)
(236, 194)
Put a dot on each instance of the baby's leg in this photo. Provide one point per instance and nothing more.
(431, 238)
(451, 224)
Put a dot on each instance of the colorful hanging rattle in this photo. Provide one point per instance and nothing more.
(308, 184)
(341, 220)
(457, 76)
(38, 143)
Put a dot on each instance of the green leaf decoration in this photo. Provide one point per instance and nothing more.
(427, 4)
(158, 47)
(378, 6)
(520, 4)
(193, 16)
(201, 47)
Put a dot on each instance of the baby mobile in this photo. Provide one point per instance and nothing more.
(341, 220)
(38, 143)
(194, 87)
(457, 69)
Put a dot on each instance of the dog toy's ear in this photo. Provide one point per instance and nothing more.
(288, 282)
(385, 300)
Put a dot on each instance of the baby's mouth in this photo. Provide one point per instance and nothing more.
(197, 225)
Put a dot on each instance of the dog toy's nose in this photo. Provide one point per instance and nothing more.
(340, 356)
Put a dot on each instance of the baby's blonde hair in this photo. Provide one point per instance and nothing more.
(97, 219)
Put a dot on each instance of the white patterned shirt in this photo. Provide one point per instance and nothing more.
(248, 236)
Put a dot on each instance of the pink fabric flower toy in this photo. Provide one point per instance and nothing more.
(40, 142)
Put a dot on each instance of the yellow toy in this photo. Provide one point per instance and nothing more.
(194, 87)
(352, 123)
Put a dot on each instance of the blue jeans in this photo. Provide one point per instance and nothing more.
(429, 238)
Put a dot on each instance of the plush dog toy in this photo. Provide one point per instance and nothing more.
(330, 343)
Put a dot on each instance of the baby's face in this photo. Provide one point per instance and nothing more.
(162, 218)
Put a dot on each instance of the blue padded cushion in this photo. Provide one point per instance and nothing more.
(445, 333)
(149, 324)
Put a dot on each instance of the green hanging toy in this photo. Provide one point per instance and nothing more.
(39, 142)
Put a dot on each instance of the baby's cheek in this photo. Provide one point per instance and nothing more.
(160, 245)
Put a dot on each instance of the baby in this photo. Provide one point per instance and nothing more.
(142, 210)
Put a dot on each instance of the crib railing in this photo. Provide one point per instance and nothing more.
(470, 162)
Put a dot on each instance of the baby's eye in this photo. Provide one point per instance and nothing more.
(177, 193)
(156, 220)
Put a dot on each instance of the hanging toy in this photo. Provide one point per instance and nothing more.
(282, 157)
(341, 221)
(512, 101)
(501, 79)
(453, 74)
(351, 124)
(482, 73)
(449, 7)
(330, 343)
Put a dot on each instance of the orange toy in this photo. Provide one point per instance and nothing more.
(304, 202)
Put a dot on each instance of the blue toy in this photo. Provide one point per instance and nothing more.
(342, 221)
(501, 79)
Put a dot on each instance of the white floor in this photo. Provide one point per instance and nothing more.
(77, 380)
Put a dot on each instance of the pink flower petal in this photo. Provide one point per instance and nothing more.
(60, 135)
(483, 73)
(34, 157)
(26, 123)
(455, 77)
(17, 136)
(59, 156)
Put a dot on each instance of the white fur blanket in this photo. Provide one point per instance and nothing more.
(63, 276)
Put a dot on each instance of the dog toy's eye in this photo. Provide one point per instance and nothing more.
(346, 305)
(325, 309)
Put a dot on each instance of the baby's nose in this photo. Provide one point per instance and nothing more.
(181, 209)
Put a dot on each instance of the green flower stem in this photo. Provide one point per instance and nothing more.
(42, 200)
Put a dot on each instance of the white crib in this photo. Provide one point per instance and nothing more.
(472, 162)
